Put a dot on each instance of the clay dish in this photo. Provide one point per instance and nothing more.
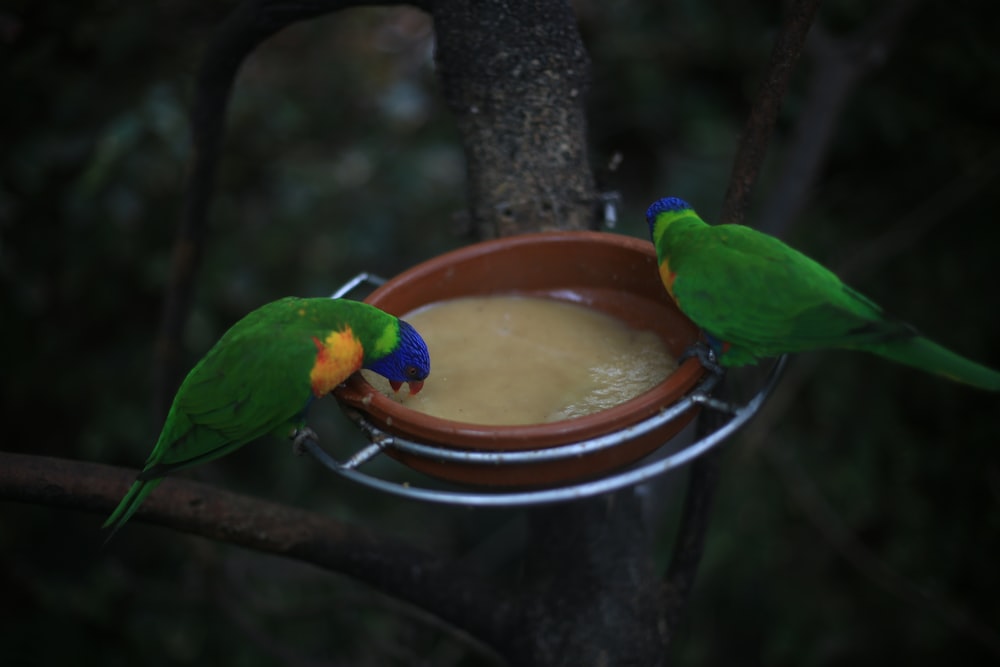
(612, 273)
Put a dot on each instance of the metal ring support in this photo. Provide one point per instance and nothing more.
(637, 473)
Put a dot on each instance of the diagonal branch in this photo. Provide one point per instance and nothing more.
(703, 480)
(246, 27)
(433, 583)
(825, 518)
(839, 65)
(764, 112)
(689, 546)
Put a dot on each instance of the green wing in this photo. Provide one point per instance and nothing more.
(246, 387)
(765, 298)
(254, 381)
(242, 389)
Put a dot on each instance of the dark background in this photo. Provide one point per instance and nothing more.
(857, 521)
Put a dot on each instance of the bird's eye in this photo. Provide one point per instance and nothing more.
(411, 371)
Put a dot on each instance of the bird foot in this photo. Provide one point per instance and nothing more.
(299, 438)
(706, 357)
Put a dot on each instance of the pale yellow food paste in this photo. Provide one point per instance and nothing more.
(525, 360)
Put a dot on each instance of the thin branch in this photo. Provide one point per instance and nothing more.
(838, 66)
(689, 545)
(921, 219)
(936, 209)
(929, 213)
(433, 583)
(246, 27)
(763, 114)
(826, 519)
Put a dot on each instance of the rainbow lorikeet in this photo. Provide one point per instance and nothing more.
(265, 372)
(755, 297)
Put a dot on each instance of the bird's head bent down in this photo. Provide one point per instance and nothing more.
(664, 205)
(409, 362)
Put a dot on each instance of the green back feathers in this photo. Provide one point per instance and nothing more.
(263, 374)
(256, 379)
(372, 326)
(757, 293)
(761, 298)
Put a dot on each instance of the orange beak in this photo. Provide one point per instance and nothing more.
(415, 385)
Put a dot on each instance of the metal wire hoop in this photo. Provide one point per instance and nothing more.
(382, 441)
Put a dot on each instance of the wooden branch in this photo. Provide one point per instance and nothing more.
(764, 112)
(703, 477)
(433, 583)
(825, 518)
(838, 65)
(246, 27)
(689, 545)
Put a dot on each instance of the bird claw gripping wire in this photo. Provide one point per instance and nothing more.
(300, 437)
(706, 357)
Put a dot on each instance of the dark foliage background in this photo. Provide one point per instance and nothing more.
(857, 521)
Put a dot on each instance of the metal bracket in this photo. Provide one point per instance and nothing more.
(380, 441)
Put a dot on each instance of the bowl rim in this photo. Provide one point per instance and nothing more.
(400, 420)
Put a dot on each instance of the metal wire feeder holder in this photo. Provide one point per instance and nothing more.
(380, 441)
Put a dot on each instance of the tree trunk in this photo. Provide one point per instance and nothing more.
(590, 593)
(515, 75)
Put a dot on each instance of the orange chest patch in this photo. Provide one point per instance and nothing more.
(337, 356)
(668, 276)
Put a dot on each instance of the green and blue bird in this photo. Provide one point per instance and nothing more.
(263, 374)
(756, 297)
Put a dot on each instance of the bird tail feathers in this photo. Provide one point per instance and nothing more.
(129, 504)
(933, 358)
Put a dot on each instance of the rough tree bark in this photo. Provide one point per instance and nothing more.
(515, 75)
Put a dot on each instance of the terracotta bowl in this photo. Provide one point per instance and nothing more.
(608, 272)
